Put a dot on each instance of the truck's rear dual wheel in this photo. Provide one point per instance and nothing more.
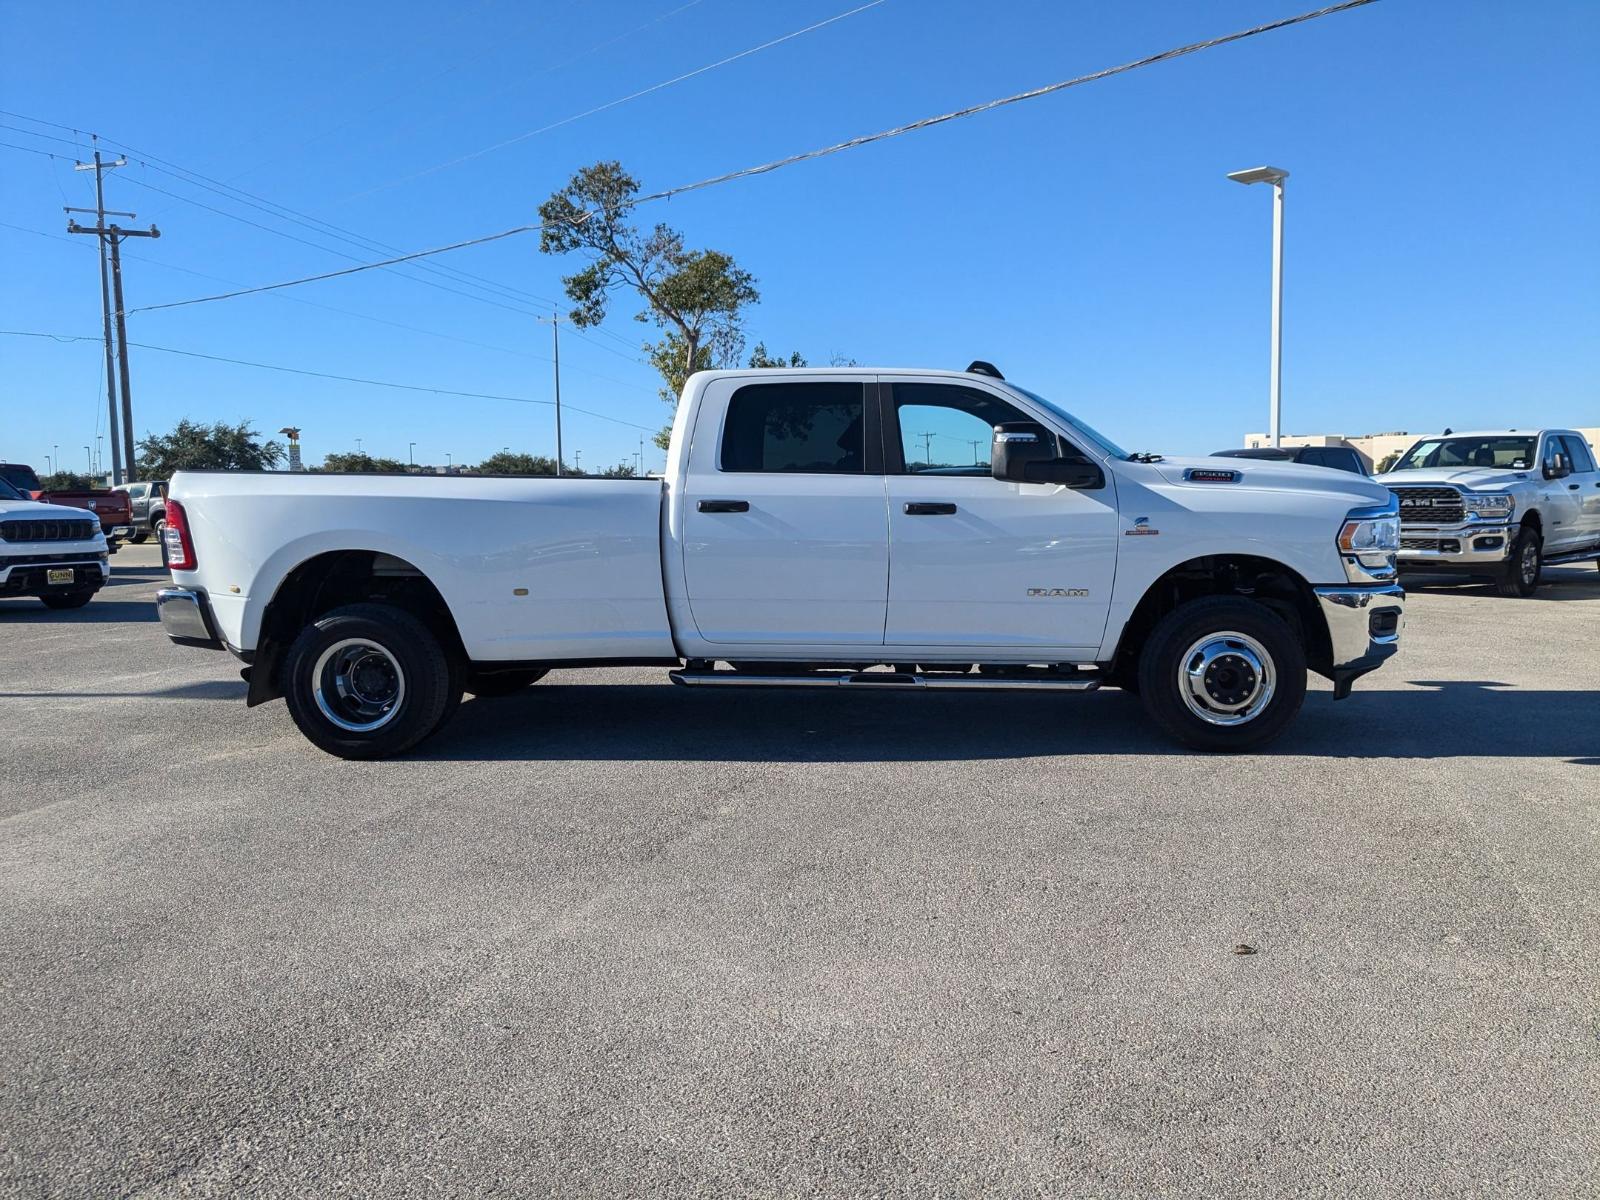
(368, 681)
(1222, 673)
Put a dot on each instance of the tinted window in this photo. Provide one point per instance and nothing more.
(20, 477)
(947, 430)
(1578, 452)
(815, 428)
(7, 492)
(1338, 457)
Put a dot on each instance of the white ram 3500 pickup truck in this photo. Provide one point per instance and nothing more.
(1502, 504)
(815, 528)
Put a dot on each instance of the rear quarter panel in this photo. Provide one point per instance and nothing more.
(586, 551)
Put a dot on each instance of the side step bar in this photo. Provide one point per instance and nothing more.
(873, 680)
(1561, 560)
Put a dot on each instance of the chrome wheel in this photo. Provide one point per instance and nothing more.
(1226, 678)
(358, 685)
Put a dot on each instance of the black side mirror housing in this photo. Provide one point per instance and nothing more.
(1023, 452)
(1559, 469)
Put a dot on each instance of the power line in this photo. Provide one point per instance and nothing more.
(610, 104)
(405, 387)
(990, 105)
(776, 164)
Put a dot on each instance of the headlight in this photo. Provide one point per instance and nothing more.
(1367, 543)
(1490, 506)
(1370, 535)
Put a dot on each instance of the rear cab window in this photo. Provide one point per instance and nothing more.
(800, 427)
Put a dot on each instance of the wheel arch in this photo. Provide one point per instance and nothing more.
(1272, 583)
(331, 579)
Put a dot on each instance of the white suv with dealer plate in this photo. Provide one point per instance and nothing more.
(1503, 504)
(50, 551)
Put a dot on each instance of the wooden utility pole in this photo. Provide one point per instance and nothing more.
(112, 235)
(555, 341)
(100, 168)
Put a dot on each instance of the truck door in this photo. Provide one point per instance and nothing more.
(785, 538)
(976, 561)
(1561, 499)
(1584, 484)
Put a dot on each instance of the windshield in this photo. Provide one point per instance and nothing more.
(7, 492)
(1094, 435)
(1505, 453)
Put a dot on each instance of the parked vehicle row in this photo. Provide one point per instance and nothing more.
(110, 508)
(815, 528)
(54, 552)
(147, 502)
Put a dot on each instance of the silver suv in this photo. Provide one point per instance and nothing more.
(1501, 504)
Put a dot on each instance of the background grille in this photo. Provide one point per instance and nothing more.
(75, 530)
(1430, 505)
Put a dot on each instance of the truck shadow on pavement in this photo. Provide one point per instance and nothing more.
(1446, 719)
(1558, 583)
(97, 612)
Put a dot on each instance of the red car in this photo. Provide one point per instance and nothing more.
(113, 508)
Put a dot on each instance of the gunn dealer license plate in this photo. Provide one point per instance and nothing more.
(61, 575)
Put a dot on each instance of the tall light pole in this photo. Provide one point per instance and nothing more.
(1275, 176)
(411, 454)
(89, 454)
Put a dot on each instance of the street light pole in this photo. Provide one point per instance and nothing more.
(411, 454)
(1275, 176)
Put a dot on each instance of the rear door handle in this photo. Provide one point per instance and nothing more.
(724, 506)
(1572, 487)
(928, 509)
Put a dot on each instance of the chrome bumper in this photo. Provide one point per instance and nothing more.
(186, 617)
(1364, 626)
(1468, 543)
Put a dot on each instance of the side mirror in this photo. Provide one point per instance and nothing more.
(1557, 468)
(1023, 452)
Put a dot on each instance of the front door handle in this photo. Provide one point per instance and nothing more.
(724, 506)
(927, 509)
(1572, 487)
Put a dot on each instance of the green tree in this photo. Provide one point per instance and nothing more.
(66, 481)
(623, 470)
(507, 463)
(360, 463)
(759, 358)
(695, 297)
(1387, 462)
(193, 446)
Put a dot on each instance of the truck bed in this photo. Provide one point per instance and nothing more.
(534, 569)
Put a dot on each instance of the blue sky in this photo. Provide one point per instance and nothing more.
(1443, 219)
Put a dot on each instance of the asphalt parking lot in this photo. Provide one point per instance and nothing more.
(610, 937)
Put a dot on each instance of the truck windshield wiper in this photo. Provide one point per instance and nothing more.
(1144, 456)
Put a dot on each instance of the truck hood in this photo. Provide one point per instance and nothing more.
(1488, 479)
(1262, 473)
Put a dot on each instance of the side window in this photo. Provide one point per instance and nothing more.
(946, 429)
(1554, 453)
(1578, 454)
(807, 428)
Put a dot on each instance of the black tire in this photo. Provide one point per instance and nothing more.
(488, 684)
(1263, 651)
(67, 599)
(397, 681)
(138, 539)
(1519, 578)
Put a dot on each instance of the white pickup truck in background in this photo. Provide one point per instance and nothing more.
(855, 528)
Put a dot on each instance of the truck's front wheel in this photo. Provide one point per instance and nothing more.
(1222, 673)
(367, 681)
(1520, 576)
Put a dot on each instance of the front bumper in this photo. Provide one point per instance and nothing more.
(1364, 626)
(186, 617)
(28, 574)
(1470, 543)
